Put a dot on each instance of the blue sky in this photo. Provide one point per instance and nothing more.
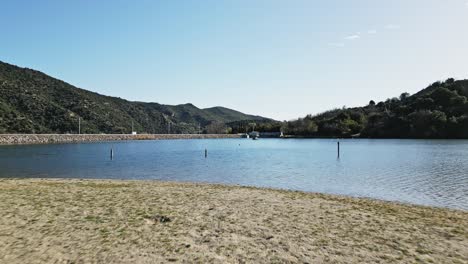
(281, 59)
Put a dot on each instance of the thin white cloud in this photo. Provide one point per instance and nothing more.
(337, 44)
(466, 4)
(372, 32)
(392, 26)
(353, 37)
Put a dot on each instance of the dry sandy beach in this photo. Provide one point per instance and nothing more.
(107, 221)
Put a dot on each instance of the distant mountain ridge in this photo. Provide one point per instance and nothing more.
(33, 102)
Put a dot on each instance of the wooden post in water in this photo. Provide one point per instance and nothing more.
(338, 149)
(112, 154)
(206, 153)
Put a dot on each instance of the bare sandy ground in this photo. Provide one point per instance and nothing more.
(103, 221)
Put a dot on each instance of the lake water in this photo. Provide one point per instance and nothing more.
(426, 172)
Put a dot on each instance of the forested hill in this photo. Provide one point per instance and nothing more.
(33, 102)
(439, 111)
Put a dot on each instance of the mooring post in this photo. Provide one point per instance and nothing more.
(112, 154)
(206, 153)
(338, 148)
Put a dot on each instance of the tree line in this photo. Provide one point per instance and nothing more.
(439, 111)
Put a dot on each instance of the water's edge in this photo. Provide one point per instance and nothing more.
(344, 198)
(24, 139)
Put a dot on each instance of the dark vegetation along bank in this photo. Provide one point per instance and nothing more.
(33, 102)
(439, 111)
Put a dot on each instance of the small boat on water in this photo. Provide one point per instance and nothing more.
(254, 135)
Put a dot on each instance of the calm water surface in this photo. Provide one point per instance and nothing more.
(426, 172)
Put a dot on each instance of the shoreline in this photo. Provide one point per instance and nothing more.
(26, 139)
(124, 221)
(235, 185)
(44, 139)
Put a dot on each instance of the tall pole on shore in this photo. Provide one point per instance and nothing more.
(79, 125)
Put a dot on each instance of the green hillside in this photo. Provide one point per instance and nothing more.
(229, 115)
(33, 102)
(439, 111)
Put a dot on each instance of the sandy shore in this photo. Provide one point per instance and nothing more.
(104, 221)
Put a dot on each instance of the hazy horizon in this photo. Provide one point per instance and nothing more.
(266, 58)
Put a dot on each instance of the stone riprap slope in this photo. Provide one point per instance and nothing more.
(13, 139)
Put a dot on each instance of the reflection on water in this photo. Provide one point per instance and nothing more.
(427, 172)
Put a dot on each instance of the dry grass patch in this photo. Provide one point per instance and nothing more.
(89, 221)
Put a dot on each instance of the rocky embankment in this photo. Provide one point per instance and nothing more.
(13, 139)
